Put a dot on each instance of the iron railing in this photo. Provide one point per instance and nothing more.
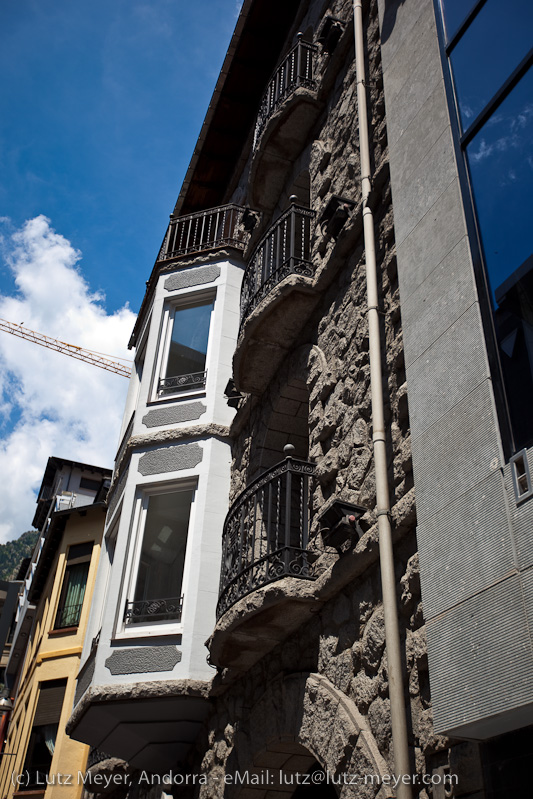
(284, 250)
(169, 385)
(266, 532)
(296, 69)
(153, 610)
(204, 230)
(68, 616)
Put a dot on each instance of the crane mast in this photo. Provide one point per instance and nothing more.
(80, 353)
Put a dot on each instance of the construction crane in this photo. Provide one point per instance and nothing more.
(96, 358)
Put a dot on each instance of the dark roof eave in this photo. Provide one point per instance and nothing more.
(51, 544)
(252, 55)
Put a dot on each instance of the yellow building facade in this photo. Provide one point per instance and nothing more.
(39, 759)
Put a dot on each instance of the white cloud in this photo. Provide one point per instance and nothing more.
(51, 404)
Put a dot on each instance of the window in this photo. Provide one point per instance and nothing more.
(455, 12)
(44, 732)
(493, 89)
(523, 488)
(184, 364)
(74, 583)
(479, 69)
(91, 485)
(157, 593)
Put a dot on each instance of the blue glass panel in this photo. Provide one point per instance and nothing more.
(500, 159)
(499, 38)
(454, 12)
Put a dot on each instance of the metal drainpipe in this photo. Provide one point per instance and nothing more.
(388, 582)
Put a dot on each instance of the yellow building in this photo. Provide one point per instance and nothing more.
(39, 759)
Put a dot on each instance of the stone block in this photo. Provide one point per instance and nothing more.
(412, 74)
(470, 680)
(447, 371)
(437, 232)
(429, 178)
(458, 451)
(465, 547)
(438, 302)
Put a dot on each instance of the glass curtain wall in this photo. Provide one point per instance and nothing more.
(489, 47)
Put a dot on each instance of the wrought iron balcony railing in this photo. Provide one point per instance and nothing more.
(296, 69)
(266, 532)
(144, 610)
(284, 250)
(68, 616)
(204, 230)
(170, 385)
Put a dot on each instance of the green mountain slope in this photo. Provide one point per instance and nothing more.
(12, 553)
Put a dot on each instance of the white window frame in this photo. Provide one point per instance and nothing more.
(165, 338)
(153, 628)
(103, 579)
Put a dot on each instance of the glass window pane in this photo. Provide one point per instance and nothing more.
(39, 755)
(490, 49)
(454, 12)
(160, 573)
(72, 595)
(500, 159)
(188, 346)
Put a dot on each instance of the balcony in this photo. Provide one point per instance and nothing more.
(296, 70)
(266, 532)
(171, 385)
(285, 250)
(147, 610)
(204, 230)
(276, 297)
(289, 108)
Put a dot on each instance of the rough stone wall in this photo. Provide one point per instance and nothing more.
(340, 437)
(344, 644)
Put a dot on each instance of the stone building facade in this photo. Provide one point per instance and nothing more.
(304, 675)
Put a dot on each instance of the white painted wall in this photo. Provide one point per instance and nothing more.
(211, 477)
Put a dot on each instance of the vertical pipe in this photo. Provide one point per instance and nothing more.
(388, 582)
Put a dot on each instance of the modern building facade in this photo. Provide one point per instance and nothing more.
(334, 348)
(38, 758)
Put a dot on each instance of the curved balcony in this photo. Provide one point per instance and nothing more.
(204, 230)
(288, 111)
(284, 250)
(296, 70)
(266, 532)
(276, 297)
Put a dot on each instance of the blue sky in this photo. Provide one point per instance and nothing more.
(102, 103)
